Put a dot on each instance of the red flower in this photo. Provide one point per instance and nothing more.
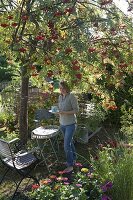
(75, 67)
(68, 50)
(14, 24)
(45, 182)
(105, 2)
(35, 186)
(65, 179)
(33, 67)
(112, 107)
(48, 60)
(122, 65)
(91, 50)
(4, 25)
(69, 10)
(35, 74)
(10, 17)
(40, 37)
(22, 49)
(51, 24)
(50, 73)
(58, 13)
(74, 62)
(25, 17)
(78, 164)
(52, 177)
(113, 143)
(66, 183)
(60, 172)
(59, 179)
(54, 36)
(79, 76)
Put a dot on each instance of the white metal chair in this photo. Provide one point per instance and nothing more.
(21, 162)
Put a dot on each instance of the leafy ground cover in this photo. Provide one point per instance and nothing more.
(107, 175)
(84, 153)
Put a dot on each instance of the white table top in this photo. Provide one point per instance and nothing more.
(44, 132)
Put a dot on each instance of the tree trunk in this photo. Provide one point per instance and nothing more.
(23, 115)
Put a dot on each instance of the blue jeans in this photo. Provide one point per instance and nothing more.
(68, 132)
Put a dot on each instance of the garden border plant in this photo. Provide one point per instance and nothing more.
(103, 179)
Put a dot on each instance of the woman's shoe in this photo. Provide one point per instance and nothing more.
(74, 162)
(68, 169)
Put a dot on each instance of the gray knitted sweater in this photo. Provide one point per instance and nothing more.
(68, 103)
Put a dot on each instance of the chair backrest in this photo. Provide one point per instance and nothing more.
(41, 114)
(5, 150)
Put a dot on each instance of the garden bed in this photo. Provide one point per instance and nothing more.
(83, 156)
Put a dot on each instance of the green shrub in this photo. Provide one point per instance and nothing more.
(123, 178)
(103, 164)
(116, 165)
(3, 118)
(127, 121)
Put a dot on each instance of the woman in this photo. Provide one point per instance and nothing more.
(68, 107)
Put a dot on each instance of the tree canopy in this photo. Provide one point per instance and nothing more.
(75, 36)
(89, 43)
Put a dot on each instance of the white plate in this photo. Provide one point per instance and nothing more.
(53, 112)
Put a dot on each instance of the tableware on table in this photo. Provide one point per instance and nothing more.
(54, 109)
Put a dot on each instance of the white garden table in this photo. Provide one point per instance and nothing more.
(48, 136)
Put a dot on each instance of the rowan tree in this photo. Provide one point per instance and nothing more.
(89, 43)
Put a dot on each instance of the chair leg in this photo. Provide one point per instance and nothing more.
(4, 175)
(29, 176)
(17, 188)
(34, 178)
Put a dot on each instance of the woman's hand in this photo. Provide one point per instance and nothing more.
(71, 112)
(62, 112)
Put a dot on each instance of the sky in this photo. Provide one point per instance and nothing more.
(122, 5)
